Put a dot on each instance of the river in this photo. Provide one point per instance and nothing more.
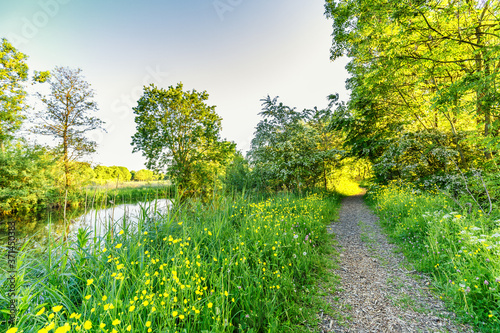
(96, 220)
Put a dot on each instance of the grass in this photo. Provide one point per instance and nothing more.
(103, 196)
(234, 265)
(460, 251)
(113, 184)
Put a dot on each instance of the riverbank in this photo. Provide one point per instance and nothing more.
(233, 263)
(92, 198)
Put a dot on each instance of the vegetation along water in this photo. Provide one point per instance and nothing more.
(241, 245)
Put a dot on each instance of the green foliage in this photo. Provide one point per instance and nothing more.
(113, 173)
(123, 174)
(239, 265)
(237, 176)
(292, 149)
(82, 174)
(13, 72)
(103, 173)
(177, 130)
(26, 179)
(145, 175)
(424, 85)
(41, 77)
(67, 117)
(460, 249)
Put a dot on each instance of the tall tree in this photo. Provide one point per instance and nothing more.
(424, 79)
(178, 130)
(68, 117)
(13, 72)
(291, 148)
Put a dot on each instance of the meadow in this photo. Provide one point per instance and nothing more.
(460, 249)
(244, 264)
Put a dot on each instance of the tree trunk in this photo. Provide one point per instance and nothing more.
(324, 176)
(482, 91)
(65, 160)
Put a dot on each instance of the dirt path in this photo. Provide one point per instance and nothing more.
(377, 294)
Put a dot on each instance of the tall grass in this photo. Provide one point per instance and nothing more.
(237, 265)
(99, 196)
(460, 250)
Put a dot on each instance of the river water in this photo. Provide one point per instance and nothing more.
(98, 221)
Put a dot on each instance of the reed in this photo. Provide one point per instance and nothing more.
(236, 264)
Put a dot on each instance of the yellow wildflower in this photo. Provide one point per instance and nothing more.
(63, 329)
(57, 308)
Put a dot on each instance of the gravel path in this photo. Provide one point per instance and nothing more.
(377, 294)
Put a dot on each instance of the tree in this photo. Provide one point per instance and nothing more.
(178, 130)
(26, 178)
(237, 175)
(83, 174)
(424, 81)
(67, 116)
(102, 173)
(13, 71)
(121, 173)
(293, 149)
(144, 175)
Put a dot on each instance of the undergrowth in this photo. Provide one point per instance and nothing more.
(234, 265)
(461, 250)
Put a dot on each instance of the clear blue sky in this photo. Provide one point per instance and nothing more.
(239, 51)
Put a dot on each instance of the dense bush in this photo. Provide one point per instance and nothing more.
(237, 176)
(27, 178)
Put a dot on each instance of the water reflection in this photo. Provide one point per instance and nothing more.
(97, 221)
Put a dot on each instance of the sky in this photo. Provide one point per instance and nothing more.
(239, 51)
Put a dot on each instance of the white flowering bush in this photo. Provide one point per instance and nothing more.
(460, 249)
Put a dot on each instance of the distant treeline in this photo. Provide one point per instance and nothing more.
(32, 179)
(101, 173)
